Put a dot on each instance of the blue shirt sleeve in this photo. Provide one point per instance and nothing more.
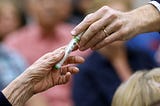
(3, 100)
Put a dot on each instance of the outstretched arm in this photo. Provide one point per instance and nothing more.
(41, 76)
(117, 25)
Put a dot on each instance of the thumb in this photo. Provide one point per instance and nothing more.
(55, 58)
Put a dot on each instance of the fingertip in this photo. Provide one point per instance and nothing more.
(82, 60)
(76, 70)
(68, 76)
(79, 60)
(68, 73)
(73, 32)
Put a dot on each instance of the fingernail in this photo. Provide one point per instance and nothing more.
(73, 32)
(77, 69)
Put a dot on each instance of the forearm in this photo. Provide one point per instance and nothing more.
(122, 68)
(18, 92)
(121, 64)
(116, 54)
(147, 17)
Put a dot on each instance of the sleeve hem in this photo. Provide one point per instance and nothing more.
(3, 100)
(156, 4)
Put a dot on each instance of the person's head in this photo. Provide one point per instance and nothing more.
(142, 89)
(48, 13)
(10, 18)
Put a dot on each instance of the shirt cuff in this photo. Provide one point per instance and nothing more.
(156, 4)
(3, 100)
(156, 0)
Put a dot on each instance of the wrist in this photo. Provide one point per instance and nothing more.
(147, 19)
(19, 91)
(155, 4)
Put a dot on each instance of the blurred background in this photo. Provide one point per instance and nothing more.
(31, 28)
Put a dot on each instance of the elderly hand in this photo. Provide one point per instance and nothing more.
(41, 76)
(108, 25)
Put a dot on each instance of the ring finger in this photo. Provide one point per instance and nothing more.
(109, 30)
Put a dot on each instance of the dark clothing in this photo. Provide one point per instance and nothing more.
(3, 100)
(157, 1)
(97, 80)
(78, 14)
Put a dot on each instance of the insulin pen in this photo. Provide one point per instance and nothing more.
(68, 50)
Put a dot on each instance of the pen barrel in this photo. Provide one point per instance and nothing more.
(68, 50)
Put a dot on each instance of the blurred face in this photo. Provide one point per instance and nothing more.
(49, 12)
(85, 5)
(9, 20)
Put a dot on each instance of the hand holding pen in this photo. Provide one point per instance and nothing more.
(72, 44)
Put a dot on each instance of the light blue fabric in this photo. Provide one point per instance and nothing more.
(11, 65)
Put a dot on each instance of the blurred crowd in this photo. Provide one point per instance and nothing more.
(31, 28)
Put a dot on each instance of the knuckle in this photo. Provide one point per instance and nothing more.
(48, 54)
(124, 32)
(78, 29)
(113, 15)
(84, 39)
(104, 9)
(93, 28)
(89, 15)
(88, 22)
(119, 24)
(110, 16)
(98, 36)
(88, 18)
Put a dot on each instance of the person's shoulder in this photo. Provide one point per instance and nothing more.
(20, 35)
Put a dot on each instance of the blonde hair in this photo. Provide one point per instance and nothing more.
(142, 89)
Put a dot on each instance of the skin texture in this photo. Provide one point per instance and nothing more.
(116, 52)
(118, 25)
(41, 76)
